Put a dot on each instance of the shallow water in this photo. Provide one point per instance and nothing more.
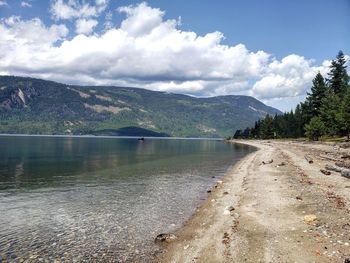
(101, 199)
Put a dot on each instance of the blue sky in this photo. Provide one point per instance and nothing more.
(268, 49)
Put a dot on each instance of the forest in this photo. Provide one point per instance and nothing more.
(325, 113)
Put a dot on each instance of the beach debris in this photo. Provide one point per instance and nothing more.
(308, 158)
(225, 193)
(186, 247)
(329, 157)
(345, 156)
(231, 208)
(226, 238)
(343, 171)
(310, 218)
(339, 201)
(219, 182)
(165, 238)
(325, 172)
(208, 191)
(299, 198)
(267, 162)
(343, 164)
(228, 210)
(281, 164)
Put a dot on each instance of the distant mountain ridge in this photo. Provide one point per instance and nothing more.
(35, 106)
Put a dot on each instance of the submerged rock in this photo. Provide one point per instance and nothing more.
(165, 238)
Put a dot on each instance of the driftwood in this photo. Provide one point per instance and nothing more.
(325, 172)
(333, 168)
(343, 164)
(267, 162)
(343, 171)
(308, 158)
(345, 156)
(329, 157)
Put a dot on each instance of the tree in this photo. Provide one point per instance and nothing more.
(345, 113)
(237, 134)
(338, 76)
(331, 114)
(317, 95)
(315, 129)
(267, 131)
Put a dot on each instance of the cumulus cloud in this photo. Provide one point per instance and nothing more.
(3, 2)
(85, 26)
(147, 51)
(69, 9)
(25, 4)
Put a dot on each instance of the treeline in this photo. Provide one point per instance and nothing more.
(325, 112)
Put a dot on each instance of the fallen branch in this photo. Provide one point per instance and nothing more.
(345, 156)
(308, 158)
(325, 172)
(329, 158)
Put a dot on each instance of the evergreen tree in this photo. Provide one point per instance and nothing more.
(267, 131)
(237, 134)
(338, 76)
(317, 95)
(331, 115)
(299, 122)
(315, 129)
(345, 113)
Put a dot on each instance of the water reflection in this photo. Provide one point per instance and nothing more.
(100, 199)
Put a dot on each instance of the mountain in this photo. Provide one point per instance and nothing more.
(35, 106)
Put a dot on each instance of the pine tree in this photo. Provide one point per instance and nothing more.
(318, 93)
(267, 131)
(298, 115)
(345, 114)
(315, 129)
(338, 76)
(331, 114)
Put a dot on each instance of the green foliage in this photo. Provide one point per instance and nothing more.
(315, 129)
(267, 128)
(338, 76)
(54, 108)
(326, 110)
(345, 113)
(331, 114)
(318, 93)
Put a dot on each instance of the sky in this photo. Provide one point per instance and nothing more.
(268, 49)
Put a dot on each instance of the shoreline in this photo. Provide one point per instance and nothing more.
(108, 137)
(257, 212)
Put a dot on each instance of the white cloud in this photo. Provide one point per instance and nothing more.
(148, 51)
(61, 9)
(3, 2)
(85, 26)
(25, 4)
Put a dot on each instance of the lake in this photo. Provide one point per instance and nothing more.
(77, 199)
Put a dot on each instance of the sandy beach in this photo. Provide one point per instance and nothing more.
(283, 211)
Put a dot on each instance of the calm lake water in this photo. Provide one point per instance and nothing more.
(101, 199)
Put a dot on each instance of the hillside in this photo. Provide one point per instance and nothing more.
(36, 106)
